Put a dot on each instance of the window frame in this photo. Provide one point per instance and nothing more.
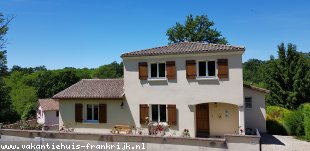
(157, 74)
(245, 102)
(93, 115)
(158, 114)
(207, 68)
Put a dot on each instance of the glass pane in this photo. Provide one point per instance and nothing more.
(96, 112)
(211, 68)
(248, 102)
(202, 68)
(162, 113)
(89, 112)
(153, 70)
(161, 69)
(155, 113)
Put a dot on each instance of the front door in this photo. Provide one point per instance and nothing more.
(202, 120)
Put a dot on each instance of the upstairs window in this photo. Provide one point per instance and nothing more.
(206, 68)
(158, 70)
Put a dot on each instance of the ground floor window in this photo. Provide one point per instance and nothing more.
(57, 113)
(92, 112)
(159, 113)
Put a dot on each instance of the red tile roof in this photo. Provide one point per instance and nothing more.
(255, 88)
(184, 48)
(94, 89)
(49, 104)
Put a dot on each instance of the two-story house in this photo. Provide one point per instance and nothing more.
(188, 85)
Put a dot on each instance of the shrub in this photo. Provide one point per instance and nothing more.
(275, 126)
(292, 122)
(276, 112)
(306, 115)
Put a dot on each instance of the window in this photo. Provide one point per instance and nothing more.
(92, 112)
(211, 68)
(248, 103)
(158, 70)
(57, 113)
(159, 113)
(206, 68)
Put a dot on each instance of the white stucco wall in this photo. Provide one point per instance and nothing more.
(182, 92)
(51, 118)
(115, 115)
(255, 117)
(47, 117)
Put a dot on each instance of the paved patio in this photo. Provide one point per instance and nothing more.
(283, 143)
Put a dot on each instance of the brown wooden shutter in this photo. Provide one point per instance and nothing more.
(144, 112)
(102, 113)
(190, 69)
(143, 71)
(172, 115)
(78, 113)
(171, 70)
(222, 66)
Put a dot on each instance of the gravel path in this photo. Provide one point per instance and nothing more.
(283, 143)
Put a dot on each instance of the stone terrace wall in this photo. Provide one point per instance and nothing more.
(151, 142)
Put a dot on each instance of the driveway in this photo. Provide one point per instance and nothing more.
(283, 143)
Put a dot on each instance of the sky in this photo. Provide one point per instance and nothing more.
(91, 33)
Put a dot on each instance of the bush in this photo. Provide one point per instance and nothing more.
(274, 121)
(276, 112)
(292, 122)
(275, 126)
(306, 115)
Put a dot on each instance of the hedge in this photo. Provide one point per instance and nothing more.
(274, 120)
(306, 114)
(293, 122)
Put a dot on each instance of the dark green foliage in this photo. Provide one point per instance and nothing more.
(6, 112)
(28, 70)
(274, 120)
(198, 29)
(306, 115)
(275, 127)
(49, 83)
(5, 104)
(288, 78)
(253, 71)
(112, 70)
(293, 123)
(3, 62)
(21, 95)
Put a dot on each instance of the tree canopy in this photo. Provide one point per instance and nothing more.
(5, 103)
(288, 78)
(198, 29)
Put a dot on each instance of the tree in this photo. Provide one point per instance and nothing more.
(288, 78)
(198, 29)
(253, 71)
(22, 95)
(48, 83)
(112, 70)
(6, 114)
(28, 70)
